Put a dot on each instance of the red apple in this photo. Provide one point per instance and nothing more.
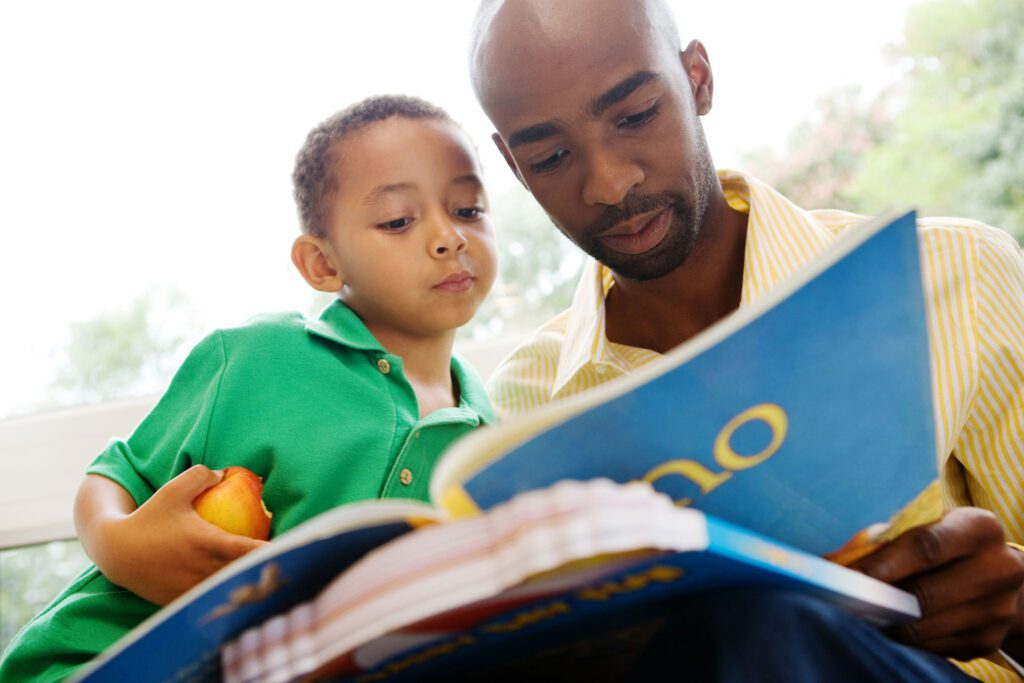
(236, 504)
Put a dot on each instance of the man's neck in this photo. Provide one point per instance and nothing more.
(660, 314)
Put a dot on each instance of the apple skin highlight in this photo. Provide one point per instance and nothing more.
(236, 504)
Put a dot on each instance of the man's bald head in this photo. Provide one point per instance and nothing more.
(506, 33)
(597, 111)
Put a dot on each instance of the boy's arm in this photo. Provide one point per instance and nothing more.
(160, 549)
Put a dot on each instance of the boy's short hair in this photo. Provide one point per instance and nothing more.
(315, 178)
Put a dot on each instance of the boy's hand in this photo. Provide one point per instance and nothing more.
(164, 548)
(966, 578)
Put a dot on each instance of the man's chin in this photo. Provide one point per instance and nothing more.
(649, 265)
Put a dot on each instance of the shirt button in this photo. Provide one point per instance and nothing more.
(384, 366)
(405, 476)
(417, 435)
(600, 368)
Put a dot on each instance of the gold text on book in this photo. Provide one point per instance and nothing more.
(706, 479)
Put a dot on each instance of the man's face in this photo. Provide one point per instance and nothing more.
(599, 120)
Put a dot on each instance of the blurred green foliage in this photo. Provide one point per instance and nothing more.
(947, 138)
(537, 269)
(30, 577)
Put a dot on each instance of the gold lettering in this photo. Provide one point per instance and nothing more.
(419, 658)
(769, 413)
(529, 617)
(630, 583)
(700, 475)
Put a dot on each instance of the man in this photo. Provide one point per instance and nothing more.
(597, 111)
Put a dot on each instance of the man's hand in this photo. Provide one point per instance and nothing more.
(966, 578)
(161, 549)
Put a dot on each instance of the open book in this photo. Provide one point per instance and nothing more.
(791, 426)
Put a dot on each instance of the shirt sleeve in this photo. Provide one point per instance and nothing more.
(991, 445)
(173, 436)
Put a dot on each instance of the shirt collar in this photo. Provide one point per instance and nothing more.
(340, 324)
(781, 237)
(472, 394)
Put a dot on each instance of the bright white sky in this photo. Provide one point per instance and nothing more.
(152, 143)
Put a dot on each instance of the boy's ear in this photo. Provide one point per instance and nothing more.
(314, 259)
(507, 156)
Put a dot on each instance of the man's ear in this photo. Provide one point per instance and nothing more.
(507, 156)
(314, 259)
(698, 69)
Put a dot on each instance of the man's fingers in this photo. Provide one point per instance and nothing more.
(995, 573)
(973, 621)
(192, 482)
(964, 646)
(919, 550)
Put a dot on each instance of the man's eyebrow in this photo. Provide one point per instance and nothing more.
(618, 92)
(533, 133)
(622, 90)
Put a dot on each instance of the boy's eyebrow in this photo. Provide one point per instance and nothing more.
(377, 192)
(468, 179)
(615, 94)
(621, 90)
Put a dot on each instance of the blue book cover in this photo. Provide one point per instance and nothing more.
(597, 609)
(182, 641)
(806, 416)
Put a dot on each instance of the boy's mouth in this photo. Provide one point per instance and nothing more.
(456, 282)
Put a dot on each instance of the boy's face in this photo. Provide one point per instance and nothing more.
(409, 228)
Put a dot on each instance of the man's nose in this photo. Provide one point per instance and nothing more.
(610, 175)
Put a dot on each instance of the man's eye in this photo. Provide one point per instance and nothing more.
(396, 224)
(550, 163)
(469, 213)
(637, 120)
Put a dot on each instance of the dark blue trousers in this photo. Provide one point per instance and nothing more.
(727, 636)
(778, 636)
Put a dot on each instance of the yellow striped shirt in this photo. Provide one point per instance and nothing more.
(974, 283)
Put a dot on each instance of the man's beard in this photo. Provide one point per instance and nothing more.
(674, 248)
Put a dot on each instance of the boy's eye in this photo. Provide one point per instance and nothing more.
(396, 224)
(639, 119)
(469, 213)
(550, 163)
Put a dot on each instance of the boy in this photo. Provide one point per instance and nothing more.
(358, 404)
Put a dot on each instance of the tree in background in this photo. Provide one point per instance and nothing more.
(537, 269)
(824, 153)
(955, 144)
(124, 352)
(31, 577)
(120, 353)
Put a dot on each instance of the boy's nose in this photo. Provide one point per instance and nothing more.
(449, 239)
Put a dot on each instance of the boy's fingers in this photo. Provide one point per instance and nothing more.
(225, 546)
(192, 482)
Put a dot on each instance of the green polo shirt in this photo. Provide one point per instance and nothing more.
(318, 408)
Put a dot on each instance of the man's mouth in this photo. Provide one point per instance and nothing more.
(456, 282)
(639, 234)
